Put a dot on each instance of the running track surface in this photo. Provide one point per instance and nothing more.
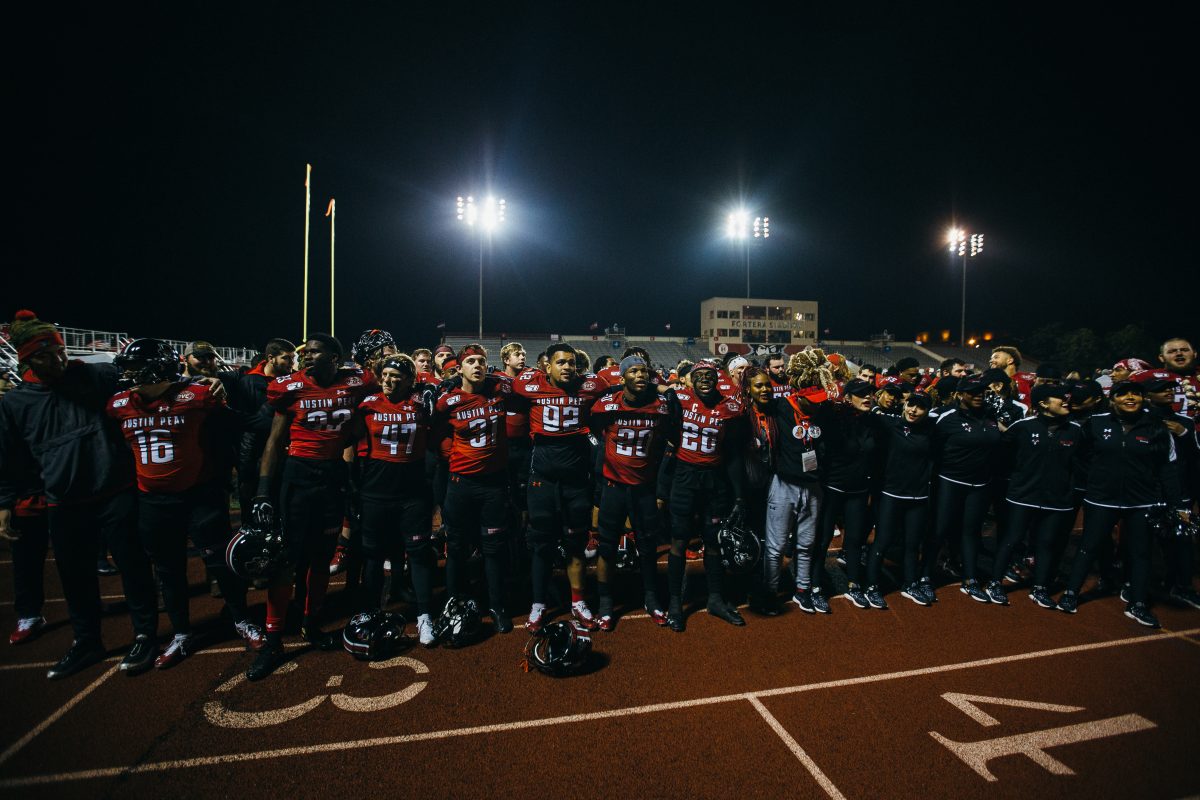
(959, 699)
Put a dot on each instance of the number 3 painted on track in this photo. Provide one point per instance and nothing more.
(216, 712)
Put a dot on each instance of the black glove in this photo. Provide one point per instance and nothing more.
(262, 513)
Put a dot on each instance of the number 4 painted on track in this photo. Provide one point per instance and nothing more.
(1032, 745)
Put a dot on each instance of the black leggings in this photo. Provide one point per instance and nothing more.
(1098, 524)
(898, 516)
(852, 509)
(960, 511)
(1049, 530)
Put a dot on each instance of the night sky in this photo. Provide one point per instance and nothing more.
(159, 177)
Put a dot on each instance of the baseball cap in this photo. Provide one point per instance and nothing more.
(1046, 391)
(920, 399)
(974, 384)
(199, 346)
(1154, 380)
(1122, 387)
(858, 388)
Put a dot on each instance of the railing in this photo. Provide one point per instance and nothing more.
(8, 359)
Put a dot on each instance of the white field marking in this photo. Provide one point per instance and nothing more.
(966, 703)
(16, 746)
(332, 747)
(209, 652)
(796, 749)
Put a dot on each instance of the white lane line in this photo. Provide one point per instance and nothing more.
(232, 758)
(796, 749)
(16, 746)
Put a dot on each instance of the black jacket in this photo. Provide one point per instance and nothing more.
(1130, 469)
(966, 447)
(846, 446)
(1042, 461)
(908, 455)
(64, 432)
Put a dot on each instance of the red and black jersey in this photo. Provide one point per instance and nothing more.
(1023, 386)
(516, 414)
(317, 413)
(554, 411)
(703, 428)
(397, 432)
(633, 437)
(779, 390)
(474, 426)
(166, 435)
(613, 376)
(726, 386)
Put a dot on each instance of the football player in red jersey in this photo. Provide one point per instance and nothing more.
(1009, 359)
(181, 490)
(633, 426)
(709, 483)
(560, 475)
(476, 506)
(423, 358)
(1178, 356)
(311, 406)
(392, 431)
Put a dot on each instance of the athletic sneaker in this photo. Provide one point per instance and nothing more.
(1141, 615)
(841, 558)
(1184, 595)
(971, 589)
(179, 648)
(605, 620)
(593, 545)
(803, 599)
(583, 615)
(1068, 602)
(675, 618)
(916, 593)
(501, 621)
(1040, 596)
(820, 603)
(875, 598)
(1126, 594)
(27, 628)
(995, 593)
(855, 594)
(340, 560)
(425, 630)
(535, 623)
(926, 587)
(1013, 574)
(657, 615)
(694, 555)
(251, 634)
(718, 608)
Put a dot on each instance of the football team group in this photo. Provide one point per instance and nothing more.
(345, 462)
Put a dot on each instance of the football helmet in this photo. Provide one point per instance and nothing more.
(459, 623)
(146, 361)
(559, 649)
(627, 552)
(369, 343)
(740, 547)
(375, 635)
(1165, 523)
(255, 553)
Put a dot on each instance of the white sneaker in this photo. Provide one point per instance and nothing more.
(251, 634)
(535, 618)
(583, 615)
(425, 630)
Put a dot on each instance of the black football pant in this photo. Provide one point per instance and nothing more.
(29, 565)
(851, 508)
(165, 521)
(476, 514)
(1048, 530)
(392, 527)
(313, 501)
(960, 512)
(637, 503)
(73, 531)
(555, 502)
(520, 452)
(902, 517)
(704, 493)
(1098, 524)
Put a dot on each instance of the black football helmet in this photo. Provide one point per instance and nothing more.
(375, 635)
(255, 553)
(1165, 523)
(459, 623)
(559, 649)
(627, 552)
(145, 361)
(369, 343)
(740, 546)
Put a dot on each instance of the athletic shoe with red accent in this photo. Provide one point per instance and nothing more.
(593, 545)
(536, 620)
(251, 634)
(583, 615)
(341, 558)
(605, 620)
(657, 615)
(179, 649)
(694, 555)
(27, 629)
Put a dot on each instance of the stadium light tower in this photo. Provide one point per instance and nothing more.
(964, 245)
(740, 228)
(484, 217)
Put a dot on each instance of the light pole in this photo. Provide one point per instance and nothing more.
(744, 230)
(964, 245)
(487, 216)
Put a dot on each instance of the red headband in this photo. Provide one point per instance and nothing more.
(51, 338)
(471, 350)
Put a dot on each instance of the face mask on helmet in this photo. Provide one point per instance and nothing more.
(459, 623)
(559, 649)
(740, 546)
(255, 554)
(147, 361)
(375, 635)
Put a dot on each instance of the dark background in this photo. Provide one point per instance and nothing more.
(159, 165)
